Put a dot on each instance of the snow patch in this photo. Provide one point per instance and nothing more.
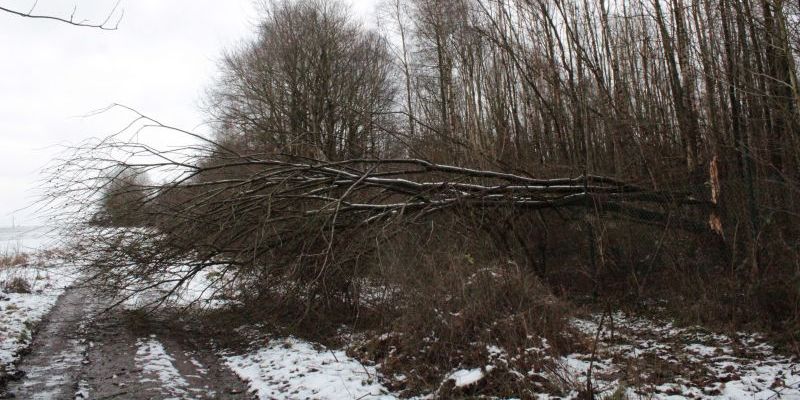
(53, 377)
(202, 289)
(466, 377)
(159, 366)
(294, 369)
(21, 312)
(697, 364)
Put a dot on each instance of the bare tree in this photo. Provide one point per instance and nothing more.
(313, 83)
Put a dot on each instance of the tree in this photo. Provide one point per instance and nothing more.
(124, 198)
(314, 83)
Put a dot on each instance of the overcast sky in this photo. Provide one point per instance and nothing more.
(160, 61)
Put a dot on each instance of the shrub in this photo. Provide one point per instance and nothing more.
(455, 310)
(17, 285)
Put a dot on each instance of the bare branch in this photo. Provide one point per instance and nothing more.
(105, 25)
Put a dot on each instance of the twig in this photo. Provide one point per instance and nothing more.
(71, 20)
(589, 386)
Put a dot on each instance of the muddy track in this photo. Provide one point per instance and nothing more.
(79, 355)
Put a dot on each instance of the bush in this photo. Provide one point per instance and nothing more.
(17, 285)
(454, 310)
(467, 316)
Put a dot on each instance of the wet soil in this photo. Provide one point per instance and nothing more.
(81, 353)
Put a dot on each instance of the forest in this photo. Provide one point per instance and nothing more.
(471, 173)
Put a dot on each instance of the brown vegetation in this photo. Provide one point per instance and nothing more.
(17, 285)
(13, 260)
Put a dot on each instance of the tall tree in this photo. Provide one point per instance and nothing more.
(314, 83)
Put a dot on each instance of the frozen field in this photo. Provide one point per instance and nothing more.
(26, 238)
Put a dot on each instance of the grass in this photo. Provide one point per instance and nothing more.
(17, 285)
(14, 260)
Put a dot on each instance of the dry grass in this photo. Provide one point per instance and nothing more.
(17, 285)
(453, 301)
(13, 260)
(452, 319)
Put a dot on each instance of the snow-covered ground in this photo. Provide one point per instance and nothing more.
(291, 368)
(27, 291)
(20, 312)
(203, 290)
(647, 358)
(641, 358)
(159, 367)
(635, 357)
(177, 284)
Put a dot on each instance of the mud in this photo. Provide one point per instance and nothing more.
(80, 354)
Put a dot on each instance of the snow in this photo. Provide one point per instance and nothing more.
(181, 283)
(291, 368)
(701, 350)
(704, 365)
(54, 376)
(158, 366)
(466, 377)
(82, 392)
(701, 364)
(643, 358)
(47, 278)
(20, 312)
(202, 290)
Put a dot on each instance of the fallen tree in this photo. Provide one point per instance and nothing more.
(365, 191)
(306, 225)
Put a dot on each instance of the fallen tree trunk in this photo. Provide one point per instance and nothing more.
(297, 225)
(370, 191)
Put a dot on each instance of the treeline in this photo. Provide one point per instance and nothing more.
(646, 91)
(696, 96)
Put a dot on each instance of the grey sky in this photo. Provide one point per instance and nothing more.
(160, 61)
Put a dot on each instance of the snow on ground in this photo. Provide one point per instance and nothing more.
(294, 369)
(636, 358)
(648, 358)
(158, 366)
(28, 290)
(83, 390)
(466, 377)
(160, 373)
(20, 312)
(179, 283)
(51, 378)
(202, 290)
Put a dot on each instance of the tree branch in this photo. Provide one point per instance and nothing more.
(105, 25)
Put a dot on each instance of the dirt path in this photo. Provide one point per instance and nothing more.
(58, 350)
(74, 357)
